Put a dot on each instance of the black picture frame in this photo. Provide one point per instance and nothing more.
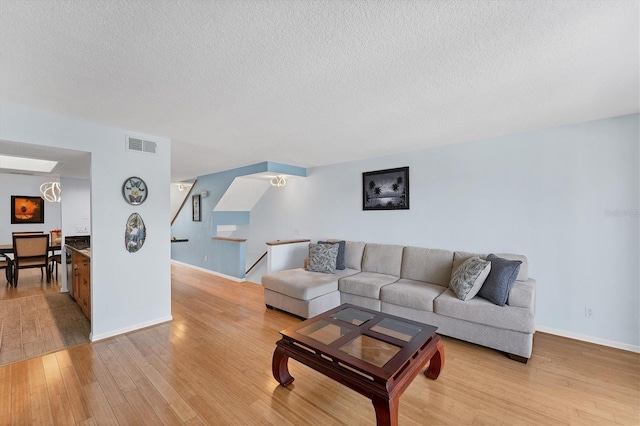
(196, 208)
(386, 189)
(26, 209)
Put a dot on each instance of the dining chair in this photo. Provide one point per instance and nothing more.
(54, 260)
(7, 265)
(30, 251)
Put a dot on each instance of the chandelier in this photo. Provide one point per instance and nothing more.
(278, 181)
(51, 191)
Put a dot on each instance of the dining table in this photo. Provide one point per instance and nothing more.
(8, 249)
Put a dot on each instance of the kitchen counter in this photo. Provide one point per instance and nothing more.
(85, 251)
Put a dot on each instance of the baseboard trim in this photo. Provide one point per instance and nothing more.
(589, 339)
(95, 338)
(209, 271)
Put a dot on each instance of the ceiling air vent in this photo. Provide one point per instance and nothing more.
(140, 145)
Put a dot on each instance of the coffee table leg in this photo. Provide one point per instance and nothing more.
(280, 368)
(386, 410)
(437, 362)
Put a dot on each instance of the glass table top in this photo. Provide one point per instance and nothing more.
(353, 316)
(371, 350)
(368, 340)
(324, 332)
(398, 329)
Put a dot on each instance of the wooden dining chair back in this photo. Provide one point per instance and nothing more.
(6, 264)
(30, 251)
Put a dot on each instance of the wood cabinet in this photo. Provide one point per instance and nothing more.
(82, 282)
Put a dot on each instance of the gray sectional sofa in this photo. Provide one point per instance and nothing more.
(412, 282)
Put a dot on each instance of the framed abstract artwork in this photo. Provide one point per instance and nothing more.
(195, 206)
(25, 209)
(386, 189)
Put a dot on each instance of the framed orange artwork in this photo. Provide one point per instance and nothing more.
(27, 209)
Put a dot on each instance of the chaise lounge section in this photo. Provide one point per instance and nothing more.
(413, 282)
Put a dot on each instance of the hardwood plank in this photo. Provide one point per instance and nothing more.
(20, 400)
(60, 411)
(41, 412)
(5, 396)
(77, 400)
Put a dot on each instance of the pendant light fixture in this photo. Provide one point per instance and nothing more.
(51, 191)
(278, 181)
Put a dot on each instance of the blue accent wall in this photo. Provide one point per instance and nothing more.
(202, 250)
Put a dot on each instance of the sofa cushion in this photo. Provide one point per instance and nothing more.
(428, 265)
(482, 311)
(411, 294)
(353, 252)
(500, 280)
(367, 284)
(467, 280)
(341, 246)
(383, 259)
(523, 274)
(302, 284)
(523, 294)
(322, 258)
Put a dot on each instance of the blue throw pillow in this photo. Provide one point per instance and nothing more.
(341, 247)
(500, 280)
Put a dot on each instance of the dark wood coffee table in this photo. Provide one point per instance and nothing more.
(373, 353)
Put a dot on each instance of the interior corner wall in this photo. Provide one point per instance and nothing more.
(201, 250)
(76, 206)
(11, 184)
(565, 197)
(129, 290)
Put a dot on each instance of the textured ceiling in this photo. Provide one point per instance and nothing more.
(318, 82)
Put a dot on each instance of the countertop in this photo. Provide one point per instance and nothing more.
(83, 251)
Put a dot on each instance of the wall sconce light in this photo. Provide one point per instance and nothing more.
(51, 191)
(182, 187)
(278, 181)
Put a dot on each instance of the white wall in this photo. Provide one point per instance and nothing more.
(76, 206)
(76, 214)
(11, 184)
(550, 194)
(129, 290)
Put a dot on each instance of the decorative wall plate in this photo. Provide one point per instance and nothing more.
(134, 233)
(134, 190)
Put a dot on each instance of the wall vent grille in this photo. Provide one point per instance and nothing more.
(140, 145)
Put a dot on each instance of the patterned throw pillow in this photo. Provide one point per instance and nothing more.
(341, 248)
(322, 258)
(467, 280)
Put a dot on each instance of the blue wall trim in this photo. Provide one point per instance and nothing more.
(286, 169)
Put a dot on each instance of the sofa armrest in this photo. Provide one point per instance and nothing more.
(523, 294)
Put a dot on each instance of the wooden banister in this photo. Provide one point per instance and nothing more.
(279, 243)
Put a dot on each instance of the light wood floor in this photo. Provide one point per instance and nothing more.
(30, 283)
(212, 365)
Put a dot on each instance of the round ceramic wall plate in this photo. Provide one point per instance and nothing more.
(135, 233)
(134, 190)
